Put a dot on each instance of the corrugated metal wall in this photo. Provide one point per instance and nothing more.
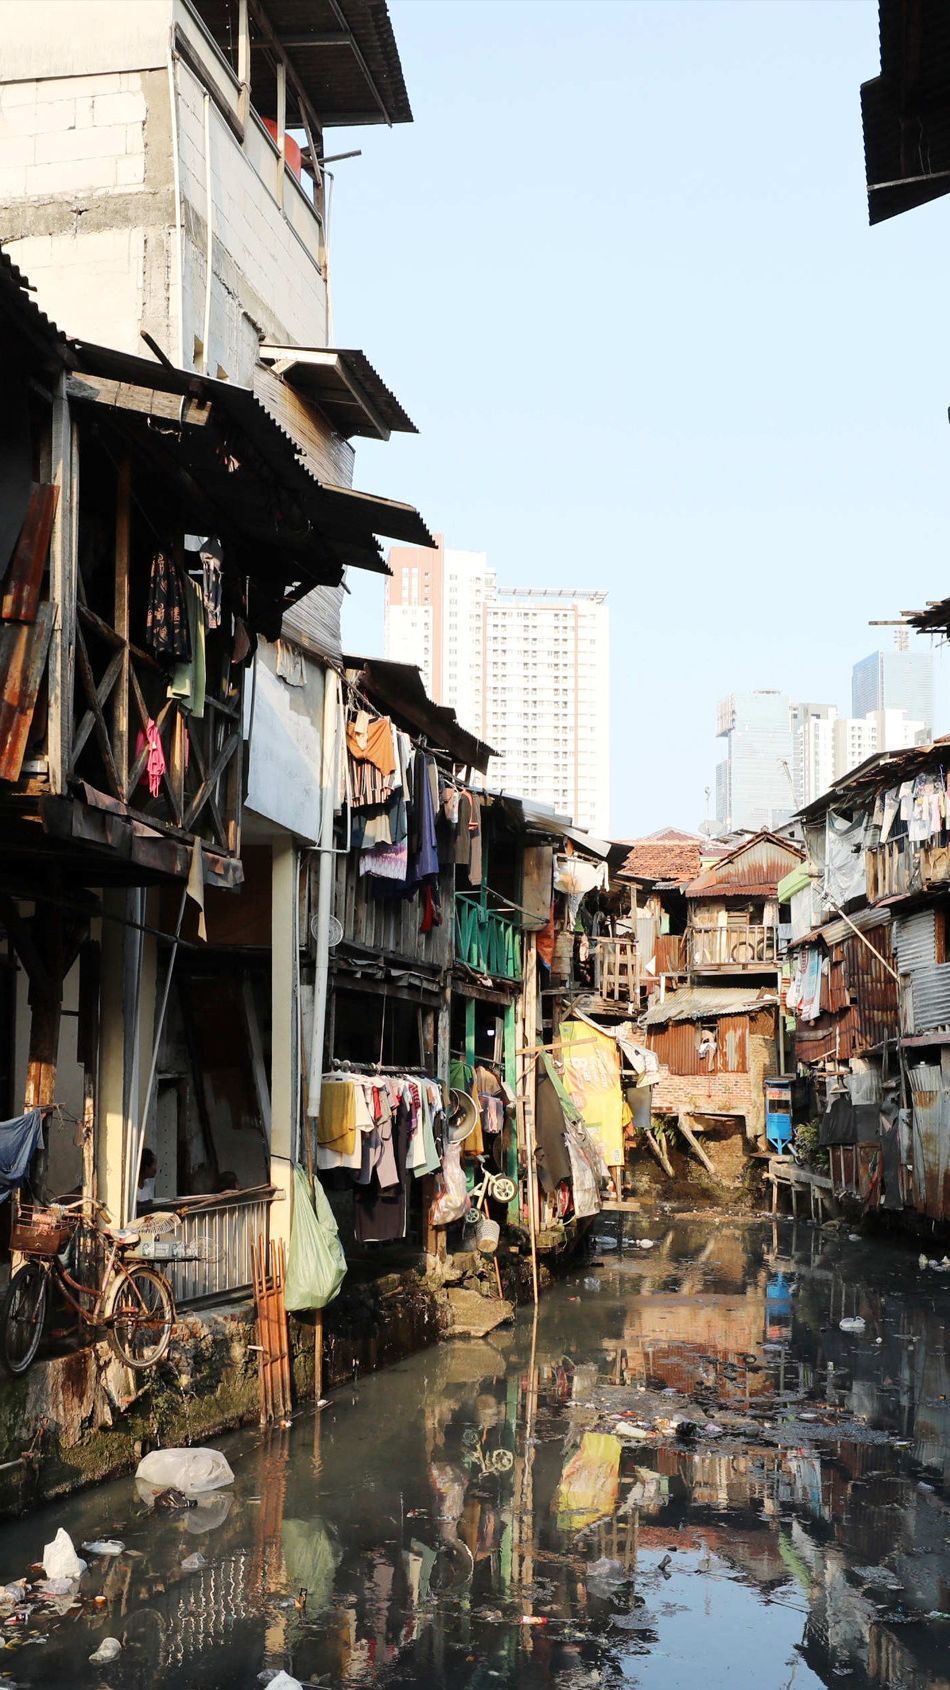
(915, 940)
(931, 1142)
(676, 1045)
(930, 991)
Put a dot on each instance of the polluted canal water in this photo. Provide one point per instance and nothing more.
(681, 1473)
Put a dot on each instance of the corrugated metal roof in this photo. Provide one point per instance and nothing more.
(754, 869)
(398, 688)
(344, 54)
(906, 110)
(884, 769)
(702, 1003)
(21, 312)
(344, 385)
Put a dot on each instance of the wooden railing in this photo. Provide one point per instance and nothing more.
(733, 948)
(119, 689)
(487, 940)
(618, 970)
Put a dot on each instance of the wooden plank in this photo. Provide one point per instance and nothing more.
(23, 649)
(120, 706)
(148, 401)
(103, 691)
(63, 587)
(102, 733)
(24, 579)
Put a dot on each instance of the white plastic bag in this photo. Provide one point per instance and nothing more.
(60, 1560)
(189, 1470)
(451, 1199)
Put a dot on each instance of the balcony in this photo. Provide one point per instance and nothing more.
(486, 940)
(734, 950)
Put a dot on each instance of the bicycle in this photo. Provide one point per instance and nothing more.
(497, 1186)
(132, 1301)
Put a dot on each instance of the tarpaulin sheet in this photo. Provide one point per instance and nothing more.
(592, 1081)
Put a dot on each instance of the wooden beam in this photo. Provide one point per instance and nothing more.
(120, 709)
(693, 1141)
(63, 587)
(182, 408)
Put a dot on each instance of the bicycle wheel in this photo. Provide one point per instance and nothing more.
(503, 1189)
(22, 1317)
(140, 1314)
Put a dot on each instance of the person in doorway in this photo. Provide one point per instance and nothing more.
(145, 1195)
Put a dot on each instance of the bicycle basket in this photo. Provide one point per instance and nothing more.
(42, 1232)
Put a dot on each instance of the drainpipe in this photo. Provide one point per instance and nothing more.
(329, 756)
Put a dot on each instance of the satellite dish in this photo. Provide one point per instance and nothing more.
(334, 932)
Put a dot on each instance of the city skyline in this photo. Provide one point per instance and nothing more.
(522, 667)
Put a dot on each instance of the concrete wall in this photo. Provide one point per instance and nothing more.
(89, 201)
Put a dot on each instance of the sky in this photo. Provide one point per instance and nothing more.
(619, 272)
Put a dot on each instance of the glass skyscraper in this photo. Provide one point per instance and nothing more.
(895, 680)
(754, 782)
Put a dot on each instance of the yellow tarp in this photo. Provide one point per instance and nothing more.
(590, 1482)
(592, 1082)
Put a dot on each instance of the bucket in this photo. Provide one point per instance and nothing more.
(487, 1236)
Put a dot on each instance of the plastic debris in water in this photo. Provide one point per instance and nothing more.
(105, 1546)
(108, 1649)
(852, 1323)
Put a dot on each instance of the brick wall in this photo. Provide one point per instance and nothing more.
(742, 1094)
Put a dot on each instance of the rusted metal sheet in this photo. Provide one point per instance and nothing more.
(754, 869)
(931, 1141)
(670, 953)
(930, 995)
(23, 649)
(24, 578)
(677, 1046)
(537, 879)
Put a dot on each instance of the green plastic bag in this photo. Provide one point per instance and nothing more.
(316, 1265)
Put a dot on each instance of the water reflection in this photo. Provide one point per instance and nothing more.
(481, 1516)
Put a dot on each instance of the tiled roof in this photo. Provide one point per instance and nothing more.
(669, 854)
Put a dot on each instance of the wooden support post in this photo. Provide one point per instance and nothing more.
(693, 1141)
(62, 560)
(120, 696)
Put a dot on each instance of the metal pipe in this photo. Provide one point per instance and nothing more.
(329, 751)
(209, 218)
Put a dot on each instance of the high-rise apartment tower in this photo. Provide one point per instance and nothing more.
(526, 669)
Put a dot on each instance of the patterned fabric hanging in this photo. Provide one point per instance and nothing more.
(167, 622)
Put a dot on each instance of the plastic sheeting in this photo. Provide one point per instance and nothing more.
(845, 876)
(592, 1081)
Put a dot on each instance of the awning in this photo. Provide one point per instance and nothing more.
(345, 386)
(398, 689)
(342, 52)
(237, 472)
